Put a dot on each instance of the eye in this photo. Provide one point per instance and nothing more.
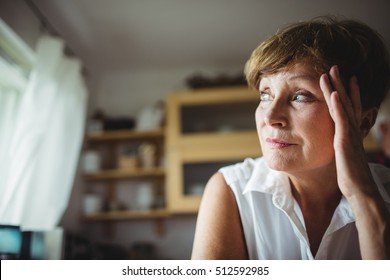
(301, 96)
(265, 96)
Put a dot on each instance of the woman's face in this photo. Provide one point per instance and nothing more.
(293, 122)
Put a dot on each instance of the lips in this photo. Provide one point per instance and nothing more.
(278, 143)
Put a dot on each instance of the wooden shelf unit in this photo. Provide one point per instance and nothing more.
(110, 140)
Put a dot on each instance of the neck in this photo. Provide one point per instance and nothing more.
(316, 190)
(318, 195)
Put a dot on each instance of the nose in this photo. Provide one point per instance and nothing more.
(275, 115)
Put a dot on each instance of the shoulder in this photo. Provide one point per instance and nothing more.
(218, 194)
(232, 180)
(220, 235)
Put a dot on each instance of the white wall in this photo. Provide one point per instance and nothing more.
(125, 93)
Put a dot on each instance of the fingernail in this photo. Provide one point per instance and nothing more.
(325, 77)
(336, 69)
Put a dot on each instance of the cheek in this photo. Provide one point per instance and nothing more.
(320, 126)
(313, 125)
(259, 116)
(260, 124)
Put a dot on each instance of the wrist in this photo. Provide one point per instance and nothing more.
(372, 223)
(366, 207)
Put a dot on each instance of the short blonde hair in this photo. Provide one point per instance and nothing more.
(322, 42)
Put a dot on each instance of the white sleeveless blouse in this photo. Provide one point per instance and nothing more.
(272, 220)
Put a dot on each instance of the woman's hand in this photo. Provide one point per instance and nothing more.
(353, 173)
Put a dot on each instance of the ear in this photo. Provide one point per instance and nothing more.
(368, 120)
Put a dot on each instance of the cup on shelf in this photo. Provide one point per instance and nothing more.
(91, 161)
(145, 196)
(92, 203)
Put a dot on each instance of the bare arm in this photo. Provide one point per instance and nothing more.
(218, 232)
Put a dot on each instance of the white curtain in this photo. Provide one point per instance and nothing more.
(43, 129)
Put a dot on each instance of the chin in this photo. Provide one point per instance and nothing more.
(294, 164)
(281, 164)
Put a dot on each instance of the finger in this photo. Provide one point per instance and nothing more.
(327, 91)
(335, 79)
(355, 99)
(340, 117)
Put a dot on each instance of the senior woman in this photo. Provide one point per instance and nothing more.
(312, 195)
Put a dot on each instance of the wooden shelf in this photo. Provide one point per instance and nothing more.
(125, 135)
(128, 214)
(123, 174)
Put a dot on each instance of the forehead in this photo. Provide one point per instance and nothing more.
(297, 71)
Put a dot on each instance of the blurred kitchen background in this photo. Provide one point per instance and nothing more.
(114, 113)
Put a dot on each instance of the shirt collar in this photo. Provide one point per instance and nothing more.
(273, 182)
(342, 216)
